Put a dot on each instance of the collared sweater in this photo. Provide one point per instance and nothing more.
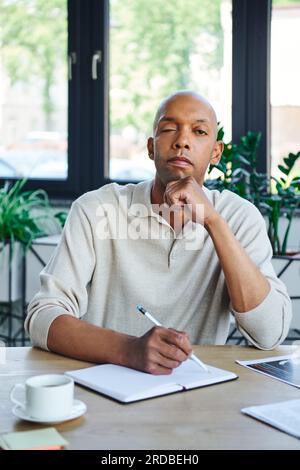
(116, 252)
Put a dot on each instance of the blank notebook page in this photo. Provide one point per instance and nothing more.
(126, 382)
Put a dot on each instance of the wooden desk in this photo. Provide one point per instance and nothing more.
(206, 418)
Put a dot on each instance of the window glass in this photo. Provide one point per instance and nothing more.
(156, 48)
(33, 89)
(285, 80)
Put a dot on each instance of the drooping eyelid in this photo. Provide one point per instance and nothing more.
(201, 129)
(170, 125)
(167, 127)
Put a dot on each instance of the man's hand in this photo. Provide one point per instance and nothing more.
(159, 351)
(185, 191)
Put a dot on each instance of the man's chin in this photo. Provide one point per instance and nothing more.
(178, 174)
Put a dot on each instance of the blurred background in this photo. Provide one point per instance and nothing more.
(153, 48)
(80, 82)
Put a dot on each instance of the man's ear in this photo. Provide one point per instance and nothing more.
(217, 152)
(150, 148)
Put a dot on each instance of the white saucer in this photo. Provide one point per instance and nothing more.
(78, 409)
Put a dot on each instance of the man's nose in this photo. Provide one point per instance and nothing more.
(182, 141)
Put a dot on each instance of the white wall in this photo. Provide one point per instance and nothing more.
(291, 277)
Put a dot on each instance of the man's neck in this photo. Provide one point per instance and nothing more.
(157, 191)
(157, 198)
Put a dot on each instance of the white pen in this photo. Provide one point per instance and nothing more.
(142, 310)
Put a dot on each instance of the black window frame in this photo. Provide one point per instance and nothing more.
(251, 35)
(88, 107)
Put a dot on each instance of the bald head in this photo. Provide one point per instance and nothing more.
(186, 95)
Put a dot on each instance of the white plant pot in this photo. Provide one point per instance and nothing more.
(16, 273)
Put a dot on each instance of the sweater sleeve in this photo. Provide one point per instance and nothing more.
(267, 325)
(64, 281)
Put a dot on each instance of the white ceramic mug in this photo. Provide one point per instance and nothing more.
(47, 397)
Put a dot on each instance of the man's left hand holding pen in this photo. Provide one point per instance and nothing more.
(158, 351)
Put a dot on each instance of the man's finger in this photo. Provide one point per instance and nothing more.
(167, 362)
(173, 353)
(180, 332)
(178, 339)
(160, 370)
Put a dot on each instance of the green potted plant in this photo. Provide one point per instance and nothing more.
(24, 216)
(276, 198)
(283, 202)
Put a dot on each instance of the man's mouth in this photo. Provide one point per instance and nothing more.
(180, 161)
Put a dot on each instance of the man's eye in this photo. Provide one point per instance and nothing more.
(200, 132)
(168, 129)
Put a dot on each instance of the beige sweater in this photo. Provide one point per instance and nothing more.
(99, 275)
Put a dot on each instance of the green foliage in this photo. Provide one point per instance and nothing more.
(286, 199)
(238, 168)
(239, 174)
(152, 47)
(61, 216)
(284, 3)
(23, 214)
(33, 41)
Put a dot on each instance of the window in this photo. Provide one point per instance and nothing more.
(156, 48)
(71, 131)
(285, 79)
(34, 89)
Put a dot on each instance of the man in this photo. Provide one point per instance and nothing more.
(211, 257)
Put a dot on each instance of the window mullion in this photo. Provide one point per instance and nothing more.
(251, 73)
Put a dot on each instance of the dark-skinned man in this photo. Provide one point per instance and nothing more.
(191, 256)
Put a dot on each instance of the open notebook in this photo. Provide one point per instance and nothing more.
(127, 385)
